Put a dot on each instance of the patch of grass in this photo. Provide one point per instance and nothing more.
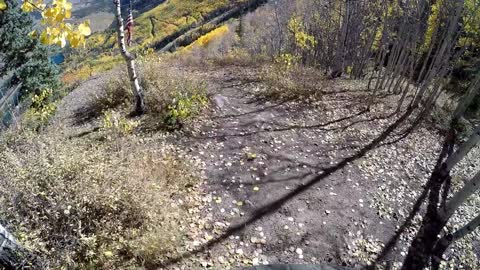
(116, 92)
(291, 82)
(171, 96)
(117, 125)
(90, 67)
(86, 204)
(241, 58)
(75, 76)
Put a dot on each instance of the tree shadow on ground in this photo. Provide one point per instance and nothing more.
(446, 150)
(86, 114)
(319, 126)
(275, 205)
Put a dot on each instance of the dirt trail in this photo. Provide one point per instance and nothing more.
(293, 144)
(256, 152)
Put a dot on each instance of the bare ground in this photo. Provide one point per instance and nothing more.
(296, 182)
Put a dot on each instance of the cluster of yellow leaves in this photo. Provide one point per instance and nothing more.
(433, 24)
(472, 23)
(56, 30)
(206, 39)
(302, 39)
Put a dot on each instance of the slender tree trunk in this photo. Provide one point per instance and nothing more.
(463, 149)
(426, 247)
(462, 196)
(130, 59)
(12, 255)
(467, 98)
(448, 239)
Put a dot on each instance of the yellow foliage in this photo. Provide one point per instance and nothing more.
(206, 39)
(302, 39)
(56, 31)
(394, 9)
(3, 5)
(472, 23)
(77, 75)
(41, 110)
(378, 37)
(433, 21)
(287, 59)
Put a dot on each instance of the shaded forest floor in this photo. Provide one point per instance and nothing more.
(276, 189)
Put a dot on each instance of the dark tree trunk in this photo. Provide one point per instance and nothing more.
(13, 256)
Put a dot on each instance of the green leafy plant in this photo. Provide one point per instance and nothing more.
(184, 107)
(118, 124)
(41, 110)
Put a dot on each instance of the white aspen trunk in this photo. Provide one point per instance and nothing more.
(467, 98)
(462, 196)
(130, 59)
(12, 255)
(463, 150)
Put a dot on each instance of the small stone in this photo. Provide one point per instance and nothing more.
(221, 259)
(299, 251)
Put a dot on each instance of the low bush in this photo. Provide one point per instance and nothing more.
(282, 82)
(86, 205)
(117, 125)
(116, 92)
(172, 97)
(43, 107)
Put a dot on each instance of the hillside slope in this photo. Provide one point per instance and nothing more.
(159, 25)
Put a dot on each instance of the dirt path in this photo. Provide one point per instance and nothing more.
(271, 216)
(275, 190)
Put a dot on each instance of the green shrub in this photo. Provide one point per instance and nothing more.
(171, 96)
(42, 108)
(117, 124)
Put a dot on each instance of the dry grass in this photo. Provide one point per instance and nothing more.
(116, 92)
(282, 83)
(172, 97)
(87, 204)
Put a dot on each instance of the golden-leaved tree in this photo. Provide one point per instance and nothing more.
(55, 30)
